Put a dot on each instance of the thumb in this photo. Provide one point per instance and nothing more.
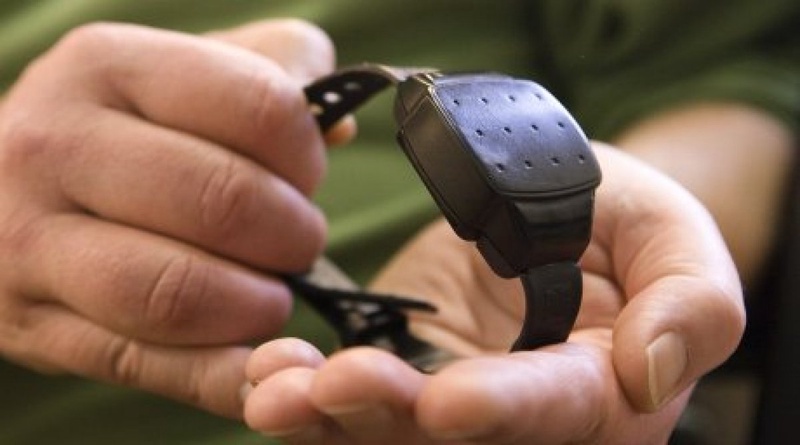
(670, 335)
(684, 313)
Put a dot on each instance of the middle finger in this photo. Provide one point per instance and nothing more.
(173, 183)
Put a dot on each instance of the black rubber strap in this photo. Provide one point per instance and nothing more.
(511, 170)
(360, 317)
(552, 300)
(334, 96)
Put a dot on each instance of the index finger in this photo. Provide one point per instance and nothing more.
(302, 49)
(200, 86)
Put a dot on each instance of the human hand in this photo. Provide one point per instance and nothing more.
(662, 306)
(144, 176)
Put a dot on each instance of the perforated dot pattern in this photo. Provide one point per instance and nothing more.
(521, 135)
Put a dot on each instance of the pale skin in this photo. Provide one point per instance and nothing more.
(656, 272)
(145, 177)
(117, 157)
(655, 266)
(600, 387)
(736, 159)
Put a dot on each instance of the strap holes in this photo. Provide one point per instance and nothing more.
(581, 159)
(528, 164)
(555, 160)
(507, 130)
(479, 132)
(456, 102)
(539, 96)
(352, 86)
(484, 100)
(500, 167)
(560, 124)
(534, 127)
(332, 97)
(512, 98)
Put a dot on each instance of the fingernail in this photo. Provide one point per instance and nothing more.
(666, 362)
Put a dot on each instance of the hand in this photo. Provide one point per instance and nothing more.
(662, 306)
(144, 176)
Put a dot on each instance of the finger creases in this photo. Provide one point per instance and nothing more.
(206, 377)
(149, 287)
(168, 182)
(201, 86)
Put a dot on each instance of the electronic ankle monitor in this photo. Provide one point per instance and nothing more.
(508, 167)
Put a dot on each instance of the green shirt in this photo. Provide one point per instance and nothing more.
(610, 61)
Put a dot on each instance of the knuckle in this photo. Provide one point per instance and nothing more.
(227, 199)
(98, 50)
(195, 385)
(278, 109)
(22, 230)
(38, 132)
(171, 300)
(126, 362)
(37, 141)
(275, 100)
(128, 365)
(13, 326)
(21, 337)
(85, 41)
(22, 141)
(20, 237)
